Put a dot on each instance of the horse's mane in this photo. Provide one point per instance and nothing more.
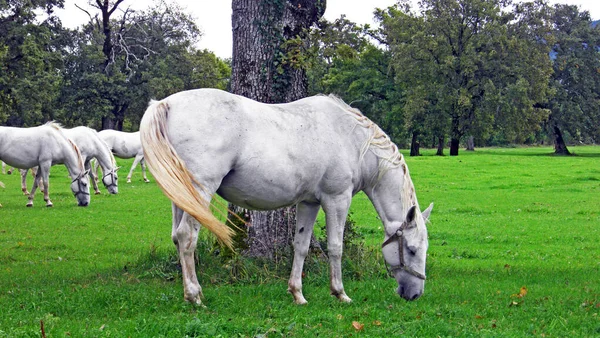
(56, 126)
(386, 150)
(112, 157)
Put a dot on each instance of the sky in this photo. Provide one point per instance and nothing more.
(214, 16)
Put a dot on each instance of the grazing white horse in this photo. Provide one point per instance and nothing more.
(91, 145)
(45, 146)
(315, 152)
(126, 145)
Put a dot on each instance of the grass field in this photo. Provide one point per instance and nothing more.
(514, 251)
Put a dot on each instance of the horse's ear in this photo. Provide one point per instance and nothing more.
(427, 212)
(410, 215)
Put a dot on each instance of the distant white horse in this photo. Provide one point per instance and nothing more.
(126, 145)
(315, 152)
(91, 145)
(45, 146)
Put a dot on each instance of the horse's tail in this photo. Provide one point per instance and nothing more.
(171, 173)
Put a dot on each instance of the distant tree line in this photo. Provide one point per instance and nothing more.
(491, 71)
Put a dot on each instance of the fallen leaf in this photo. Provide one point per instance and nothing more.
(339, 317)
(358, 326)
(478, 317)
(523, 292)
(377, 323)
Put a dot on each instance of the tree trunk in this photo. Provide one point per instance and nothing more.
(264, 69)
(440, 146)
(471, 144)
(414, 145)
(560, 148)
(454, 145)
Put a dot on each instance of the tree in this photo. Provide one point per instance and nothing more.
(450, 61)
(268, 66)
(344, 62)
(117, 67)
(30, 62)
(576, 78)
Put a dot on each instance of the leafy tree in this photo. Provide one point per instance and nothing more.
(451, 61)
(30, 62)
(576, 78)
(344, 62)
(118, 65)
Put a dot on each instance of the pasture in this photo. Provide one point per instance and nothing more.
(514, 251)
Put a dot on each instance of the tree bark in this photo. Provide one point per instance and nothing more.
(414, 145)
(264, 69)
(440, 146)
(470, 144)
(454, 145)
(560, 148)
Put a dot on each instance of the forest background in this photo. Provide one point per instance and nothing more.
(448, 73)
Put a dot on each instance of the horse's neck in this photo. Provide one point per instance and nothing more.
(72, 159)
(392, 196)
(104, 156)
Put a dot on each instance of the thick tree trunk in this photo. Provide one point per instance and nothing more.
(262, 70)
(440, 146)
(470, 144)
(560, 148)
(454, 145)
(414, 145)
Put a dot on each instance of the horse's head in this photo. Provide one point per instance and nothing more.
(81, 189)
(405, 251)
(110, 180)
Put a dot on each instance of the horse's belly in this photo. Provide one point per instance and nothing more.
(262, 195)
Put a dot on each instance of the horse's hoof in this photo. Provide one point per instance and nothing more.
(128, 181)
(49, 205)
(29, 205)
(97, 192)
(146, 180)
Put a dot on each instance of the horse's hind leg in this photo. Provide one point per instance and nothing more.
(305, 220)
(185, 237)
(143, 165)
(137, 160)
(336, 210)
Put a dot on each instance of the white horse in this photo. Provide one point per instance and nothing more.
(45, 146)
(126, 145)
(91, 145)
(315, 152)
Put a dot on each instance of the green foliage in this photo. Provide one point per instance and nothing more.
(469, 66)
(576, 77)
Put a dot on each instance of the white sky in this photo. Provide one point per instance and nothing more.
(214, 16)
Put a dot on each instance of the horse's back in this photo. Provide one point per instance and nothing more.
(26, 147)
(259, 152)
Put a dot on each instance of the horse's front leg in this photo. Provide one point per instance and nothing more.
(186, 238)
(34, 186)
(43, 177)
(93, 177)
(336, 211)
(23, 173)
(305, 220)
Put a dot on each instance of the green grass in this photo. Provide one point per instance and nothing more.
(503, 219)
